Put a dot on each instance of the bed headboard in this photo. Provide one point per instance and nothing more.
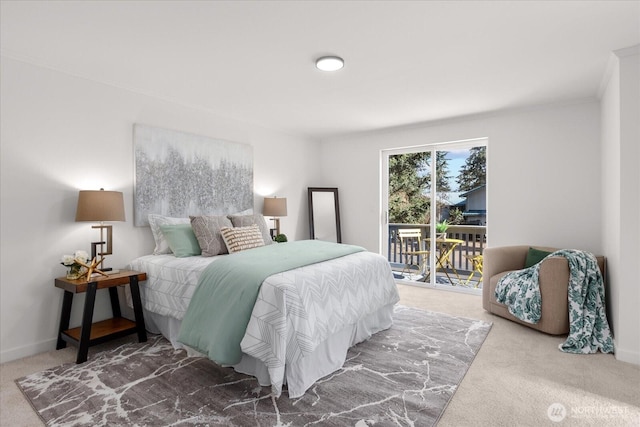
(180, 174)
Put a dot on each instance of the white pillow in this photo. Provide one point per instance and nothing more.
(155, 221)
(242, 238)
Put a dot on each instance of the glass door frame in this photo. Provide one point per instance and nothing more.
(384, 188)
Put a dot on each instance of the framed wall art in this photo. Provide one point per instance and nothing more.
(180, 174)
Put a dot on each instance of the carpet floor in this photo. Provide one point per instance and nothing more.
(405, 375)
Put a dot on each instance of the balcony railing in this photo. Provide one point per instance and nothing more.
(474, 237)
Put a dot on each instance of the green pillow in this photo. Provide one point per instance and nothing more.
(181, 239)
(534, 256)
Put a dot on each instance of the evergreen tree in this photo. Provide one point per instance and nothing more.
(407, 184)
(474, 171)
(410, 183)
(442, 185)
(442, 171)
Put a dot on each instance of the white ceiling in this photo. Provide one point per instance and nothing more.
(406, 62)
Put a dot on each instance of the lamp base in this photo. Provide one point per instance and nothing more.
(94, 254)
(275, 231)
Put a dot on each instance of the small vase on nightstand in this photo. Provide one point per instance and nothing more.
(75, 272)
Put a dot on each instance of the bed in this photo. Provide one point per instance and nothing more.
(303, 320)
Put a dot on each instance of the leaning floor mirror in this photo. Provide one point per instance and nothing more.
(324, 214)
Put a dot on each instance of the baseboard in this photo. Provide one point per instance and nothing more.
(427, 285)
(628, 356)
(27, 350)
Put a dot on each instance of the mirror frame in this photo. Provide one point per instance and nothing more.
(334, 190)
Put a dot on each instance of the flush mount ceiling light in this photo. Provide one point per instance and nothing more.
(329, 63)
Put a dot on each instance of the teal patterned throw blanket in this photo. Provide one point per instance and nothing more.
(588, 327)
(221, 306)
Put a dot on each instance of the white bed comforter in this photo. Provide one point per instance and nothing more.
(170, 282)
(296, 311)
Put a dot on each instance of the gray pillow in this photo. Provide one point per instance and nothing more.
(257, 219)
(207, 231)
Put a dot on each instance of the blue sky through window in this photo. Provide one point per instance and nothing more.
(456, 159)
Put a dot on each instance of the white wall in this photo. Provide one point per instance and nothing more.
(555, 178)
(60, 134)
(620, 118)
(543, 169)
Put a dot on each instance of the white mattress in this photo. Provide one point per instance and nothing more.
(304, 319)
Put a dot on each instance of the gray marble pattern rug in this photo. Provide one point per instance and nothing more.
(404, 376)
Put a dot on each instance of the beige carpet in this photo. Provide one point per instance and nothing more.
(515, 378)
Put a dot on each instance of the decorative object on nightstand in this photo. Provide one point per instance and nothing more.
(275, 207)
(78, 265)
(280, 238)
(92, 268)
(75, 264)
(100, 206)
(89, 333)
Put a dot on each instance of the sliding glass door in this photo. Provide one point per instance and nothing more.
(443, 185)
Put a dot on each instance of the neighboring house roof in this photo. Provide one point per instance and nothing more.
(453, 197)
(475, 212)
(462, 202)
(473, 190)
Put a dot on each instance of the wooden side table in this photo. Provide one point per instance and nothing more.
(89, 334)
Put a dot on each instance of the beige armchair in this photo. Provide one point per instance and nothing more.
(554, 284)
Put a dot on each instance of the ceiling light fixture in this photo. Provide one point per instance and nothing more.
(329, 63)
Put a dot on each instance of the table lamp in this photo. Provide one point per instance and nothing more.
(275, 207)
(100, 206)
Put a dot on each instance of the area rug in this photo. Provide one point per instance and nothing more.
(404, 376)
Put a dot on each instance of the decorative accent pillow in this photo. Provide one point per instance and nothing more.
(242, 238)
(181, 239)
(155, 221)
(257, 219)
(207, 231)
(534, 256)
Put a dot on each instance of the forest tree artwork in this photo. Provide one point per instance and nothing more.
(179, 174)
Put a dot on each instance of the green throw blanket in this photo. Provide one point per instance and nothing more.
(588, 326)
(221, 306)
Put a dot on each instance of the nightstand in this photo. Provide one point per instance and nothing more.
(89, 333)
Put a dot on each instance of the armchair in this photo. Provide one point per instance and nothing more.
(553, 279)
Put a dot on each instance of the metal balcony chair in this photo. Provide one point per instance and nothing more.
(476, 262)
(411, 249)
